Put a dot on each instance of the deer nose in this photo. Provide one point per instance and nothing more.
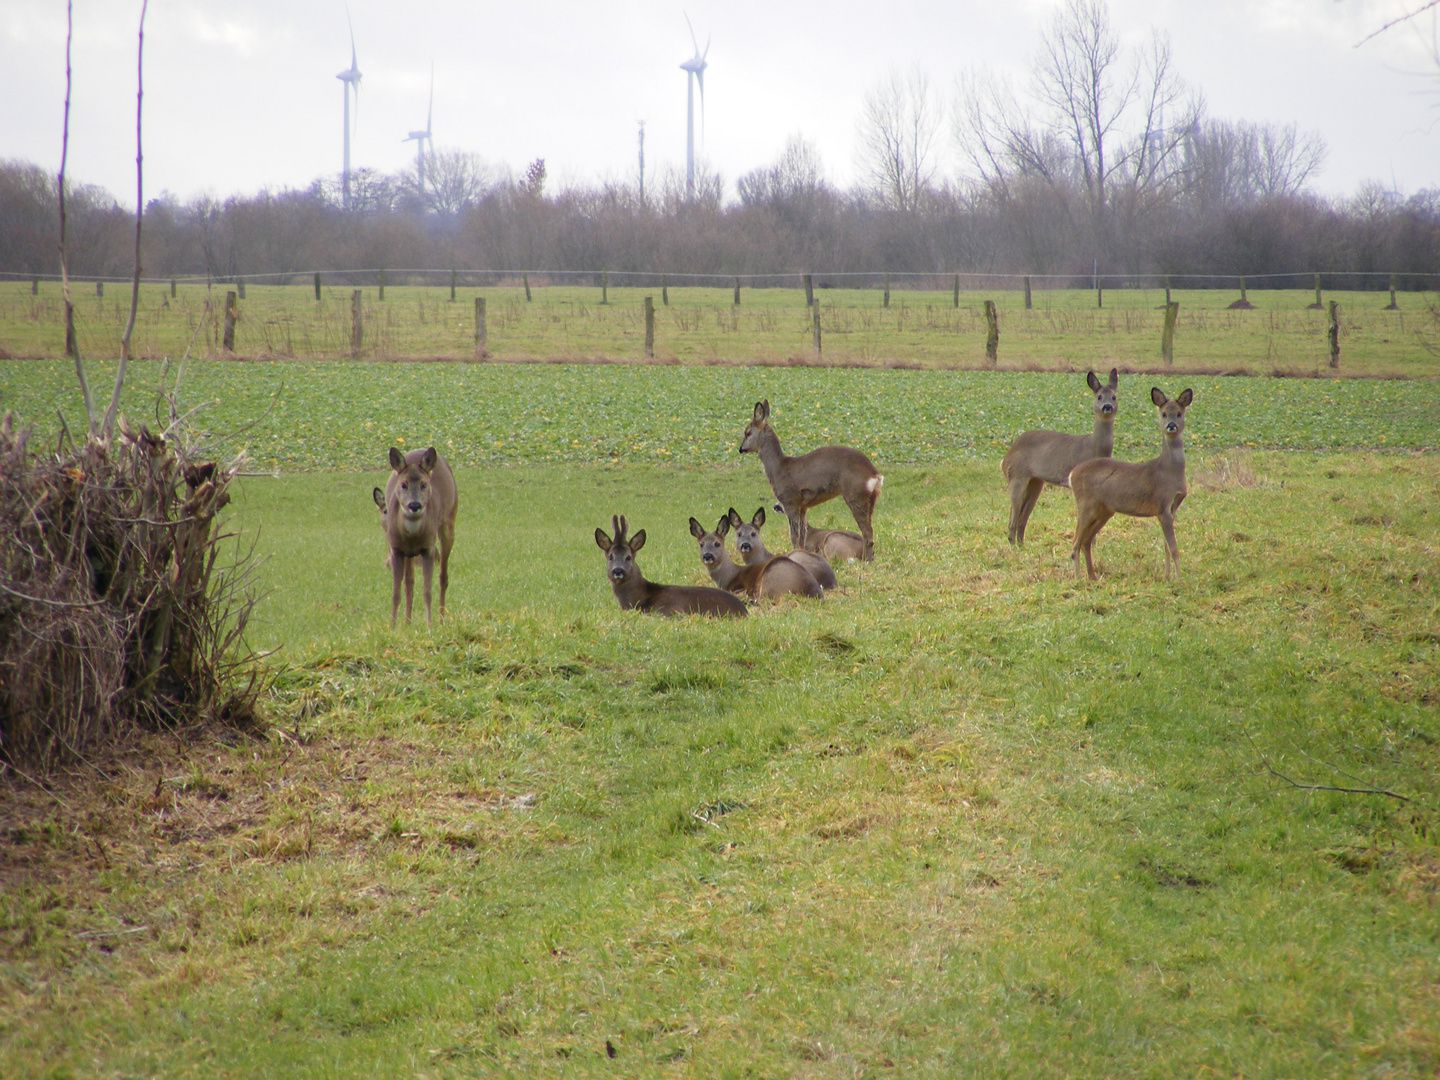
(413, 507)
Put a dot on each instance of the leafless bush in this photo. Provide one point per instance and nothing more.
(117, 606)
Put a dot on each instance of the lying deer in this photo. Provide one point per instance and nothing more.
(1154, 488)
(802, 482)
(768, 580)
(832, 543)
(752, 548)
(1037, 458)
(417, 512)
(633, 591)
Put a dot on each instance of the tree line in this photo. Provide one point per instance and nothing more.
(1105, 160)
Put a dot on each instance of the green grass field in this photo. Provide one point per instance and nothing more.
(1064, 330)
(965, 817)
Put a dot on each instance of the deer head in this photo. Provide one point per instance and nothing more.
(759, 423)
(712, 544)
(620, 553)
(1104, 392)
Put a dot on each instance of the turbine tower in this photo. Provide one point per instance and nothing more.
(422, 137)
(694, 69)
(350, 77)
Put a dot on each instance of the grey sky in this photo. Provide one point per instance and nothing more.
(242, 94)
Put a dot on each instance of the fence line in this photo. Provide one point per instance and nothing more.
(1342, 280)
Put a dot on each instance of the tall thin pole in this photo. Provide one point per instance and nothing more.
(139, 209)
(345, 168)
(72, 346)
(689, 135)
(642, 163)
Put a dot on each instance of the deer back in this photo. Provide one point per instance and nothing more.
(1050, 455)
(811, 478)
(1144, 488)
(751, 546)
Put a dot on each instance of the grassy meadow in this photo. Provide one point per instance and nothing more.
(966, 816)
(1064, 330)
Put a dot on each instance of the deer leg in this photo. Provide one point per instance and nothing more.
(1172, 550)
(397, 572)
(427, 566)
(798, 528)
(1101, 515)
(445, 542)
(1022, 501)
(861, 507)
(409, 586)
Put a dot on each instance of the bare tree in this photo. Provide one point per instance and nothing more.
(458, 179)
(139, 219)
(1235, 164)
(899, 125)
(797, 175)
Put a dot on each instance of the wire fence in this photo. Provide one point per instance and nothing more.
(1333, 280)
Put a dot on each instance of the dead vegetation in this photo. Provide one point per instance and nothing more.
(116, 607)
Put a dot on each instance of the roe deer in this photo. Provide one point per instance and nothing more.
(1153, 488)
(752, 548)
(633, 591)
(1037, 458)
(810, 479)
(768, 580)
(832, 543)
(417, 512)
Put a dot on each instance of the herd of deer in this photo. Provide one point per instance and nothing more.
(417, 511)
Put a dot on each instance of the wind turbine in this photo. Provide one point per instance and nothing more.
(695, 72)
(351, 78)
(421, 137)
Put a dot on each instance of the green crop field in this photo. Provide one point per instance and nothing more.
(1064, 330)
(966, 816)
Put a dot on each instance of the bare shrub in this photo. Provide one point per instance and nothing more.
(1228, 470)
(116, 607)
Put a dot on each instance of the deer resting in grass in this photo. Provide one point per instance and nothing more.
(1154, 488)
(1037, 458)
(769, 580)
(417, 512)
(832, 543)
(633, 591)
(752, 548)
(810, 479)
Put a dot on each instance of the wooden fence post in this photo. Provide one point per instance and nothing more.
(809, 290)
(957, 291)
(992, 333)
(664, 290)
(317, 285)
(1392, 306)
(35, 287)
(737, 292)
(240, 287)
(1027, 292)
(482, 339)
(1244, 297)
(1167, 292)
(1167, 336)
(232, 312)
(604, 286)
(1334, 333)
(382, 285)
(172, 288)
(452, 286)
(815, 329)
(649, 327)
(1319, 304)
(526, 278)
(357, 336)
(886, 301)
(1099, 294)
(100, 288)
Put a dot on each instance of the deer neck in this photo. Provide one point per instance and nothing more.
(770, 454)
(1172, 456)
(632, 591)
(725, 571)
(1102, 438)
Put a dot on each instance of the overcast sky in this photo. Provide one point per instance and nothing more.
(242, 95)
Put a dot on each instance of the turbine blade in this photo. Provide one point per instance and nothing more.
(700, 78)
(707, 50)
(430, 112)
(692, 35)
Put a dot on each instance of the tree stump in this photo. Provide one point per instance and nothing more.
(357, 330)
(1167, 336)
(232, 312)
(649, 327)
(1334, 333)
(992, 333)
(482, 339)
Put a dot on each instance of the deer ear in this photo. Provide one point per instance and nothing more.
(379, 497)
(696, 529)
(637, 541)
(734, 518)
(1114, 377)
(602, 541)
(722, 527)
(428, 461)
(1186, 396)
(1158, 396)
(397, 460)
(1092, 381)
(759, 519)
(761, 409)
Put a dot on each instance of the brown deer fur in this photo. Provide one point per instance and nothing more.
(752, 548)
(773, 578)
(635, 593)
(417, 512)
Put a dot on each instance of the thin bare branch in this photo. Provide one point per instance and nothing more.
(1398, 20)
(72, 345)
(109, 424)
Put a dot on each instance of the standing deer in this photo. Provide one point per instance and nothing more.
(417, 512)
(1153, 488)
(810, 479)
(633, 591)
(768, 580)
(1037, 458)
(752, 548)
